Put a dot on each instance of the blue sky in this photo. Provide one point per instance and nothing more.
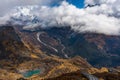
(77, 3)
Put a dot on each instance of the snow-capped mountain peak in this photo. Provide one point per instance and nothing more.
(24, 12)
(24, 15)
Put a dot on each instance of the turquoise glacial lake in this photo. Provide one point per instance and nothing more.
(31, 73)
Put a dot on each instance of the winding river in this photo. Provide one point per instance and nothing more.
(38, 38)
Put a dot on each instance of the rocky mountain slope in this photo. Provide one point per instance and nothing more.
(18, 57)
(50, 55)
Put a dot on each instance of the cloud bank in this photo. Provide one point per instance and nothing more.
(103, 16)
(7, 5)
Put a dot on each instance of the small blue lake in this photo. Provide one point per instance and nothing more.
(30, 73)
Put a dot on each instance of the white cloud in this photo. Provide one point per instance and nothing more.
(107, 7)
(81, 20)
(104, 17)
(7, 5)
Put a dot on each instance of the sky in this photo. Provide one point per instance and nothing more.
(77, 3)
(103, 17)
